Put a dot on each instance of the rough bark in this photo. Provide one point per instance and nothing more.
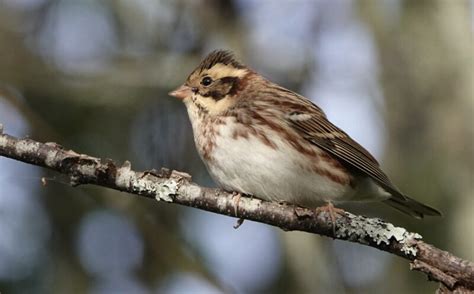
(454, 273)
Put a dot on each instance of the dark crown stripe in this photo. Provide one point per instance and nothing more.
(219, 56)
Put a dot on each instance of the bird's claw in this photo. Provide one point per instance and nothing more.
(332, 211)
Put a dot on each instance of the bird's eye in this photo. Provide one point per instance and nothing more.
(206, 81)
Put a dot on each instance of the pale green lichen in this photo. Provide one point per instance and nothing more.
(363, 229)
(24, 147)
(161, 190)
(50, 158)
(3, 141)
(165, 190)
(253, 205)
(87, 169)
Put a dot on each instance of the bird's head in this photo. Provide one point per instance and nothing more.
(214, 86)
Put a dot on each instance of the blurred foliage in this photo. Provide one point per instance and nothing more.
(94, 77)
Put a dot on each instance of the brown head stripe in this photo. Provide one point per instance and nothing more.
(219, 56)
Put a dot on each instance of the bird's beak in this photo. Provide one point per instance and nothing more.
(182, 92)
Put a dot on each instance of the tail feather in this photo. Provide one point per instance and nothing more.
(412, 207)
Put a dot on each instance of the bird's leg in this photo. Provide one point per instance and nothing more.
(332, 211)
(236, 199)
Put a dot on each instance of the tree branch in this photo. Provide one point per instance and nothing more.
(454, 273)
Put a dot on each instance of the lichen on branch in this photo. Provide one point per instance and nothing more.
(164, 185)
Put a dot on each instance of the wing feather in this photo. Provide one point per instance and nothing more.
(317, 129)
(312, 124)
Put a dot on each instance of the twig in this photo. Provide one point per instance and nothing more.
(176, 187)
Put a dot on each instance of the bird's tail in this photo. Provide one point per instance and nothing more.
(411, 207)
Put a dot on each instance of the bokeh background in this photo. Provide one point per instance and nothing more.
(94, 75)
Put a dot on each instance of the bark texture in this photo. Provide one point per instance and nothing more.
(454, 273)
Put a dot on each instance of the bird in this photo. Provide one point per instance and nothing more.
(258, 138)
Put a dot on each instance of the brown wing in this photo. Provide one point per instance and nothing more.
(311, 123)
(317, 129)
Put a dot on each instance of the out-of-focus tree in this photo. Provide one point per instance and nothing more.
(93, 75)
(427, 73)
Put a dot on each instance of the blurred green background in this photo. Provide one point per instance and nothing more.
(94, 76)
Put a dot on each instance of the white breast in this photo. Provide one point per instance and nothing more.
(250, 166)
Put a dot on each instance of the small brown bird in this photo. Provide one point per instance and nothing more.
(258, 138)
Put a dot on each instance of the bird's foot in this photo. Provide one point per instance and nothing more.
(236, 199)
(239, 222)
(332, 211)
